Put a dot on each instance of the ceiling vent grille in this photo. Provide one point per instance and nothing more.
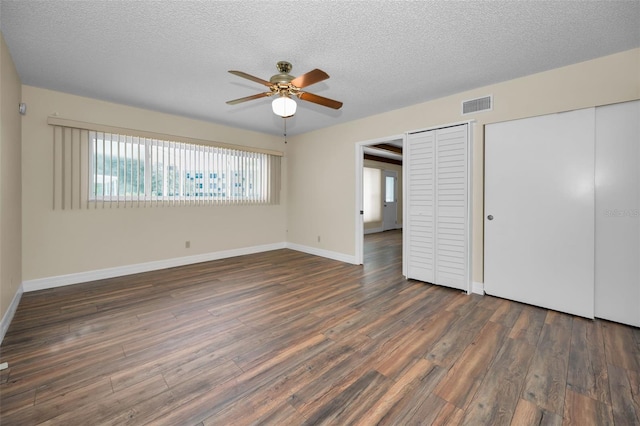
(477, 105)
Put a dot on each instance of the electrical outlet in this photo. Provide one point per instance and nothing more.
(318, 238)
(187, 244)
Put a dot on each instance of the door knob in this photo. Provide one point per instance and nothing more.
(490, 217)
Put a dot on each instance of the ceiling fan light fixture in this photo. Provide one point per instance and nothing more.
(284, 106)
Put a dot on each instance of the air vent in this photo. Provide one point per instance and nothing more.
(477, 105)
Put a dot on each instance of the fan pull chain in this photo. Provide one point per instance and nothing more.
(285, 129)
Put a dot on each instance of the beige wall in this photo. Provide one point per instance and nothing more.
(398, 170)
(10, 202)
(64, 242)
(318, 197)
(322, 163)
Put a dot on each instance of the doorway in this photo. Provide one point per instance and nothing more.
(386, 155)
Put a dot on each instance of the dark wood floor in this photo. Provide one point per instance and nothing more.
(288, 338)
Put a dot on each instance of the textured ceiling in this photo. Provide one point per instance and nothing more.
(173, 56)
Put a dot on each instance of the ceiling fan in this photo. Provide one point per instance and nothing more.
(284, 85)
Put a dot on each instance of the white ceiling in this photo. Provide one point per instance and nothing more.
(173, 56)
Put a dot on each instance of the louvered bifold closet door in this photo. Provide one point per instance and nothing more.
(451, 201)
(420, 206)
(437, 204)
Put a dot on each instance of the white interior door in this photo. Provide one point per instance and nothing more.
(617, 273)
(419, 202)
(437, 216)
(539, 211)
(390, 209)
(452, 218)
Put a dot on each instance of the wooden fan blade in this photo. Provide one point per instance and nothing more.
(312, 77)
(310, 97)
(250, 77)
(249, 98)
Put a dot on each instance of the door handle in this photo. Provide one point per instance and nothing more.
(490, 217)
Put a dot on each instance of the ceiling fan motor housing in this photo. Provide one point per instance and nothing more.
(283, 77)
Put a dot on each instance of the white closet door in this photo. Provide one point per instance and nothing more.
(539, 193)
(419, 205)
(451, 219)
(437, 206)
(617, 273)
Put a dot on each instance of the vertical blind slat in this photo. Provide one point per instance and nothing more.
(71, 167)
(63, 183)
(53, 189)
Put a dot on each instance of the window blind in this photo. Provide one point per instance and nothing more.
(97, 168)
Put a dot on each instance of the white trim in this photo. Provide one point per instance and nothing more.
(373, 230)
(8, 316)
(477, 288)
(442, 126)
(405, 214)
(323, 253)
(118, 271)
(359, 226)
(470, 129)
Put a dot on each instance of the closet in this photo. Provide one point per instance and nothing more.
(437, 209)
(562, 218)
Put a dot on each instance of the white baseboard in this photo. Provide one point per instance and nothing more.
(8, 316)
(373, 230)
(323, 253)
(477, 288)
(376, 230)
(118, 271)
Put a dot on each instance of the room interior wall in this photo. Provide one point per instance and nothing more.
(322, 198)
(10, 176)
(317, 199)
(60, 242)
(392, 167)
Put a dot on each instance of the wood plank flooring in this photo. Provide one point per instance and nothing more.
(286, 338)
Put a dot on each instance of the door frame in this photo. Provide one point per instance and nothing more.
(359, 220)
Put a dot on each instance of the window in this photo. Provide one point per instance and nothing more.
(96, 166)
(390, 189)
(126, 168)
(372, 193)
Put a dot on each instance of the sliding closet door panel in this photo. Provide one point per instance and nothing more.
(539, 211)
(451, 230)
(419, 202)
(617, 273)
